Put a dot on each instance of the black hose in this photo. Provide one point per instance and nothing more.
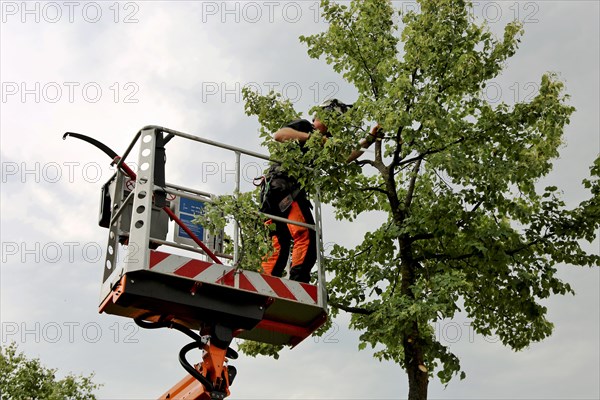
(197, 344)
(107, 150)
(190, 368)
(166, 324)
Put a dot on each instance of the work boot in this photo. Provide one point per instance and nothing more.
(298, 274)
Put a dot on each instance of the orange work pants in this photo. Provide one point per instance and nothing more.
(304, 252)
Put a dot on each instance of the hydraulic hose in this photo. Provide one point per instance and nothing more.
(110, 152)
(190, 368)
(139, 321)
(197, 344)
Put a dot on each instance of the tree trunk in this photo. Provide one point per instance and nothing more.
(418, 377)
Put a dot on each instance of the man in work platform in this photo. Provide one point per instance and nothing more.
(285, 197)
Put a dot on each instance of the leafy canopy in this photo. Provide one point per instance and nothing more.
(24, 379)
(467, 227)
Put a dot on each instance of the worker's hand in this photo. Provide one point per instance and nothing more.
(376, 133)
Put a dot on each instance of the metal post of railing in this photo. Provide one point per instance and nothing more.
(141, 215)
(112, 247)
(236, 227)
(129, 148)
(319, 234)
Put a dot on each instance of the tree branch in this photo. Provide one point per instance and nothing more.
(398, 150)
(365, 162)
(364, 62)
(422, 236)
(462, 222)
(510, 252)
(373, 189)
(429, 152)
(446, 257)
(395, 281)
(353, 310)
(411, 185)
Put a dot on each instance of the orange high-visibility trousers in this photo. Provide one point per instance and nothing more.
(304, 252)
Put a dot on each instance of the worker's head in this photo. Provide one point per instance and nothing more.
(331, 105)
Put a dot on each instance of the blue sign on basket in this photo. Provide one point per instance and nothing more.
(191, 207)
(188, 210)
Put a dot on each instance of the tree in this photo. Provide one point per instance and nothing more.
(467, 229)
(25, 379)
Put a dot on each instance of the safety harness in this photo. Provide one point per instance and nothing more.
(277, 190)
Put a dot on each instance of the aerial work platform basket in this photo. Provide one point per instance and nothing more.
(258, 307)
(143, 282)
(195, 290)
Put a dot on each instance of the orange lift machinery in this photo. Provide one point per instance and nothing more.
(198, 293)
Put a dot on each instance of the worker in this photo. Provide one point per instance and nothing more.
(283, 196)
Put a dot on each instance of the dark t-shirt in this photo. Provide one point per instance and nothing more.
(301, 125)
(280, 183)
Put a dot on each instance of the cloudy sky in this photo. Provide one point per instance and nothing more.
(108, 68)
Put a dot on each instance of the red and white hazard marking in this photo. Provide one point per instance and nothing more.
(226, 275)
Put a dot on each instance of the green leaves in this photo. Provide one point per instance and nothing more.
(254, 349)
(22, 379)
(254, 234)
(455, 178)
(360, 42)
(272, 111)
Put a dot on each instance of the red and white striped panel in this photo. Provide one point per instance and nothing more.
(227, 275)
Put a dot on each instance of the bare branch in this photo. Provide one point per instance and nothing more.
(411, 185)
(366, 162)
(353, 310)
(446, 257)
(373, 189)
(364, 62)
(429, 152)
(398, 150)
(462, 223)
(422, 236)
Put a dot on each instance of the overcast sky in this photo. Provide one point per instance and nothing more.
(108, 68)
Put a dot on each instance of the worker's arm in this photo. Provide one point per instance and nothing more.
(365, 143)
(286, 133)
(299, 130)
